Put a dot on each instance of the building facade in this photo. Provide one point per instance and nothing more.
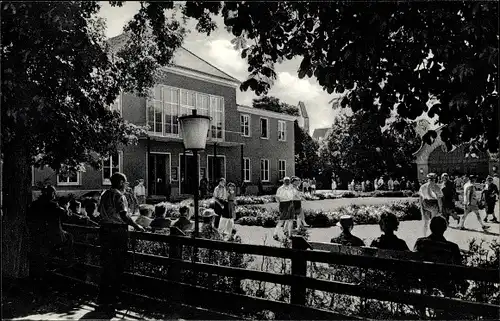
(244, 144)
(435, 158)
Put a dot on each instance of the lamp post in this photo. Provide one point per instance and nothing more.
(194, 129)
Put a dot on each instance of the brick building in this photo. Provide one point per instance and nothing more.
(249, 144)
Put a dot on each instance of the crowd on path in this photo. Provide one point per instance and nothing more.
(379, 184)
(437, 204)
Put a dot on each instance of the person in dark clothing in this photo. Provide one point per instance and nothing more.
(114, 240)
(160, 222)
(46, 233)
(388, 241)
(449, 196)
(435, 247)
(346, 223)
(183, 223)
(490, 195)
(90, 206)
(203, 187)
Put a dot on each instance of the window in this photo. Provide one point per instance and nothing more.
(245, 125)
(281, 168)
(217, 114)
(68, 178)
(110, 166)
(246, 170)
(264, 170)
(264, 128)
(168, 103)
(117, 105)
(281, 130)
(220, 168)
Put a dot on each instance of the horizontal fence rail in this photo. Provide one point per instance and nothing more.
(297, 280)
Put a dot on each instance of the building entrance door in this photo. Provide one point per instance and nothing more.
(158, 176)
(187, 168)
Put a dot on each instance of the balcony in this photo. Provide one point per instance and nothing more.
(226, 138)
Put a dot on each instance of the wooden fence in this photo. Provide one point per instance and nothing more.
(171, 288)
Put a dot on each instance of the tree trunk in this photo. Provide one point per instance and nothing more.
(17, 196)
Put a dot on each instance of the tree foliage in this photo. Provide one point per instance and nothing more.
(59, 78)
(402, 55)
(358, 146)
(274, 104)
(307, 162)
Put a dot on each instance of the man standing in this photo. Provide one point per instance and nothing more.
(284, 196)
(431, 204)
(114, 239)
(140, 192)
(390, 184)
(449, 197)
(490, 195)
(471, 203)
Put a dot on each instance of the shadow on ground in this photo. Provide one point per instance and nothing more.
(27, 300)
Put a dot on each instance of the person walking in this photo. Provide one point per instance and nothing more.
(334, 184)
(471, 203)
(284, 196)
(226, 222)
(431, 203)
(220, 199)
(449, 197)
(490, 195)
(297, 203)
(113, 234)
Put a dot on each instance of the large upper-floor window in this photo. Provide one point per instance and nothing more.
(168, 103)
(245, 125)
(281, 130)
(110, 166)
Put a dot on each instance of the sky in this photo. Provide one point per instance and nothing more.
(218, 50)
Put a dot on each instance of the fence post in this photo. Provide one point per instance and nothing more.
(299, 268)
(174, 271)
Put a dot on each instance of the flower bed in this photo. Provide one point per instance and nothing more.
(362, 214)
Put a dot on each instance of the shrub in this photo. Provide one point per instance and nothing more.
(364, 214)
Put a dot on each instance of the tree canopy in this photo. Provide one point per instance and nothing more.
(307, 162)
(59, 78)
(358, 146)
(274, 104)
(402, 55)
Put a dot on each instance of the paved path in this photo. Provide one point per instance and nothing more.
(408, 231)
(332, 204)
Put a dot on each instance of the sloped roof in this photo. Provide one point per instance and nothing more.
(320, 132)
(182, 58)
(303, 110)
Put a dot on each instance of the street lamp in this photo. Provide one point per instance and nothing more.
(194, 129)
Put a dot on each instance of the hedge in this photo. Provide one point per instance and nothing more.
(362, 214)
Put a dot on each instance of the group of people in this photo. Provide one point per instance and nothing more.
(308, 186)
(113, 215)
(434, 246)
(439, 199)
(289, 197)
(381, 184)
